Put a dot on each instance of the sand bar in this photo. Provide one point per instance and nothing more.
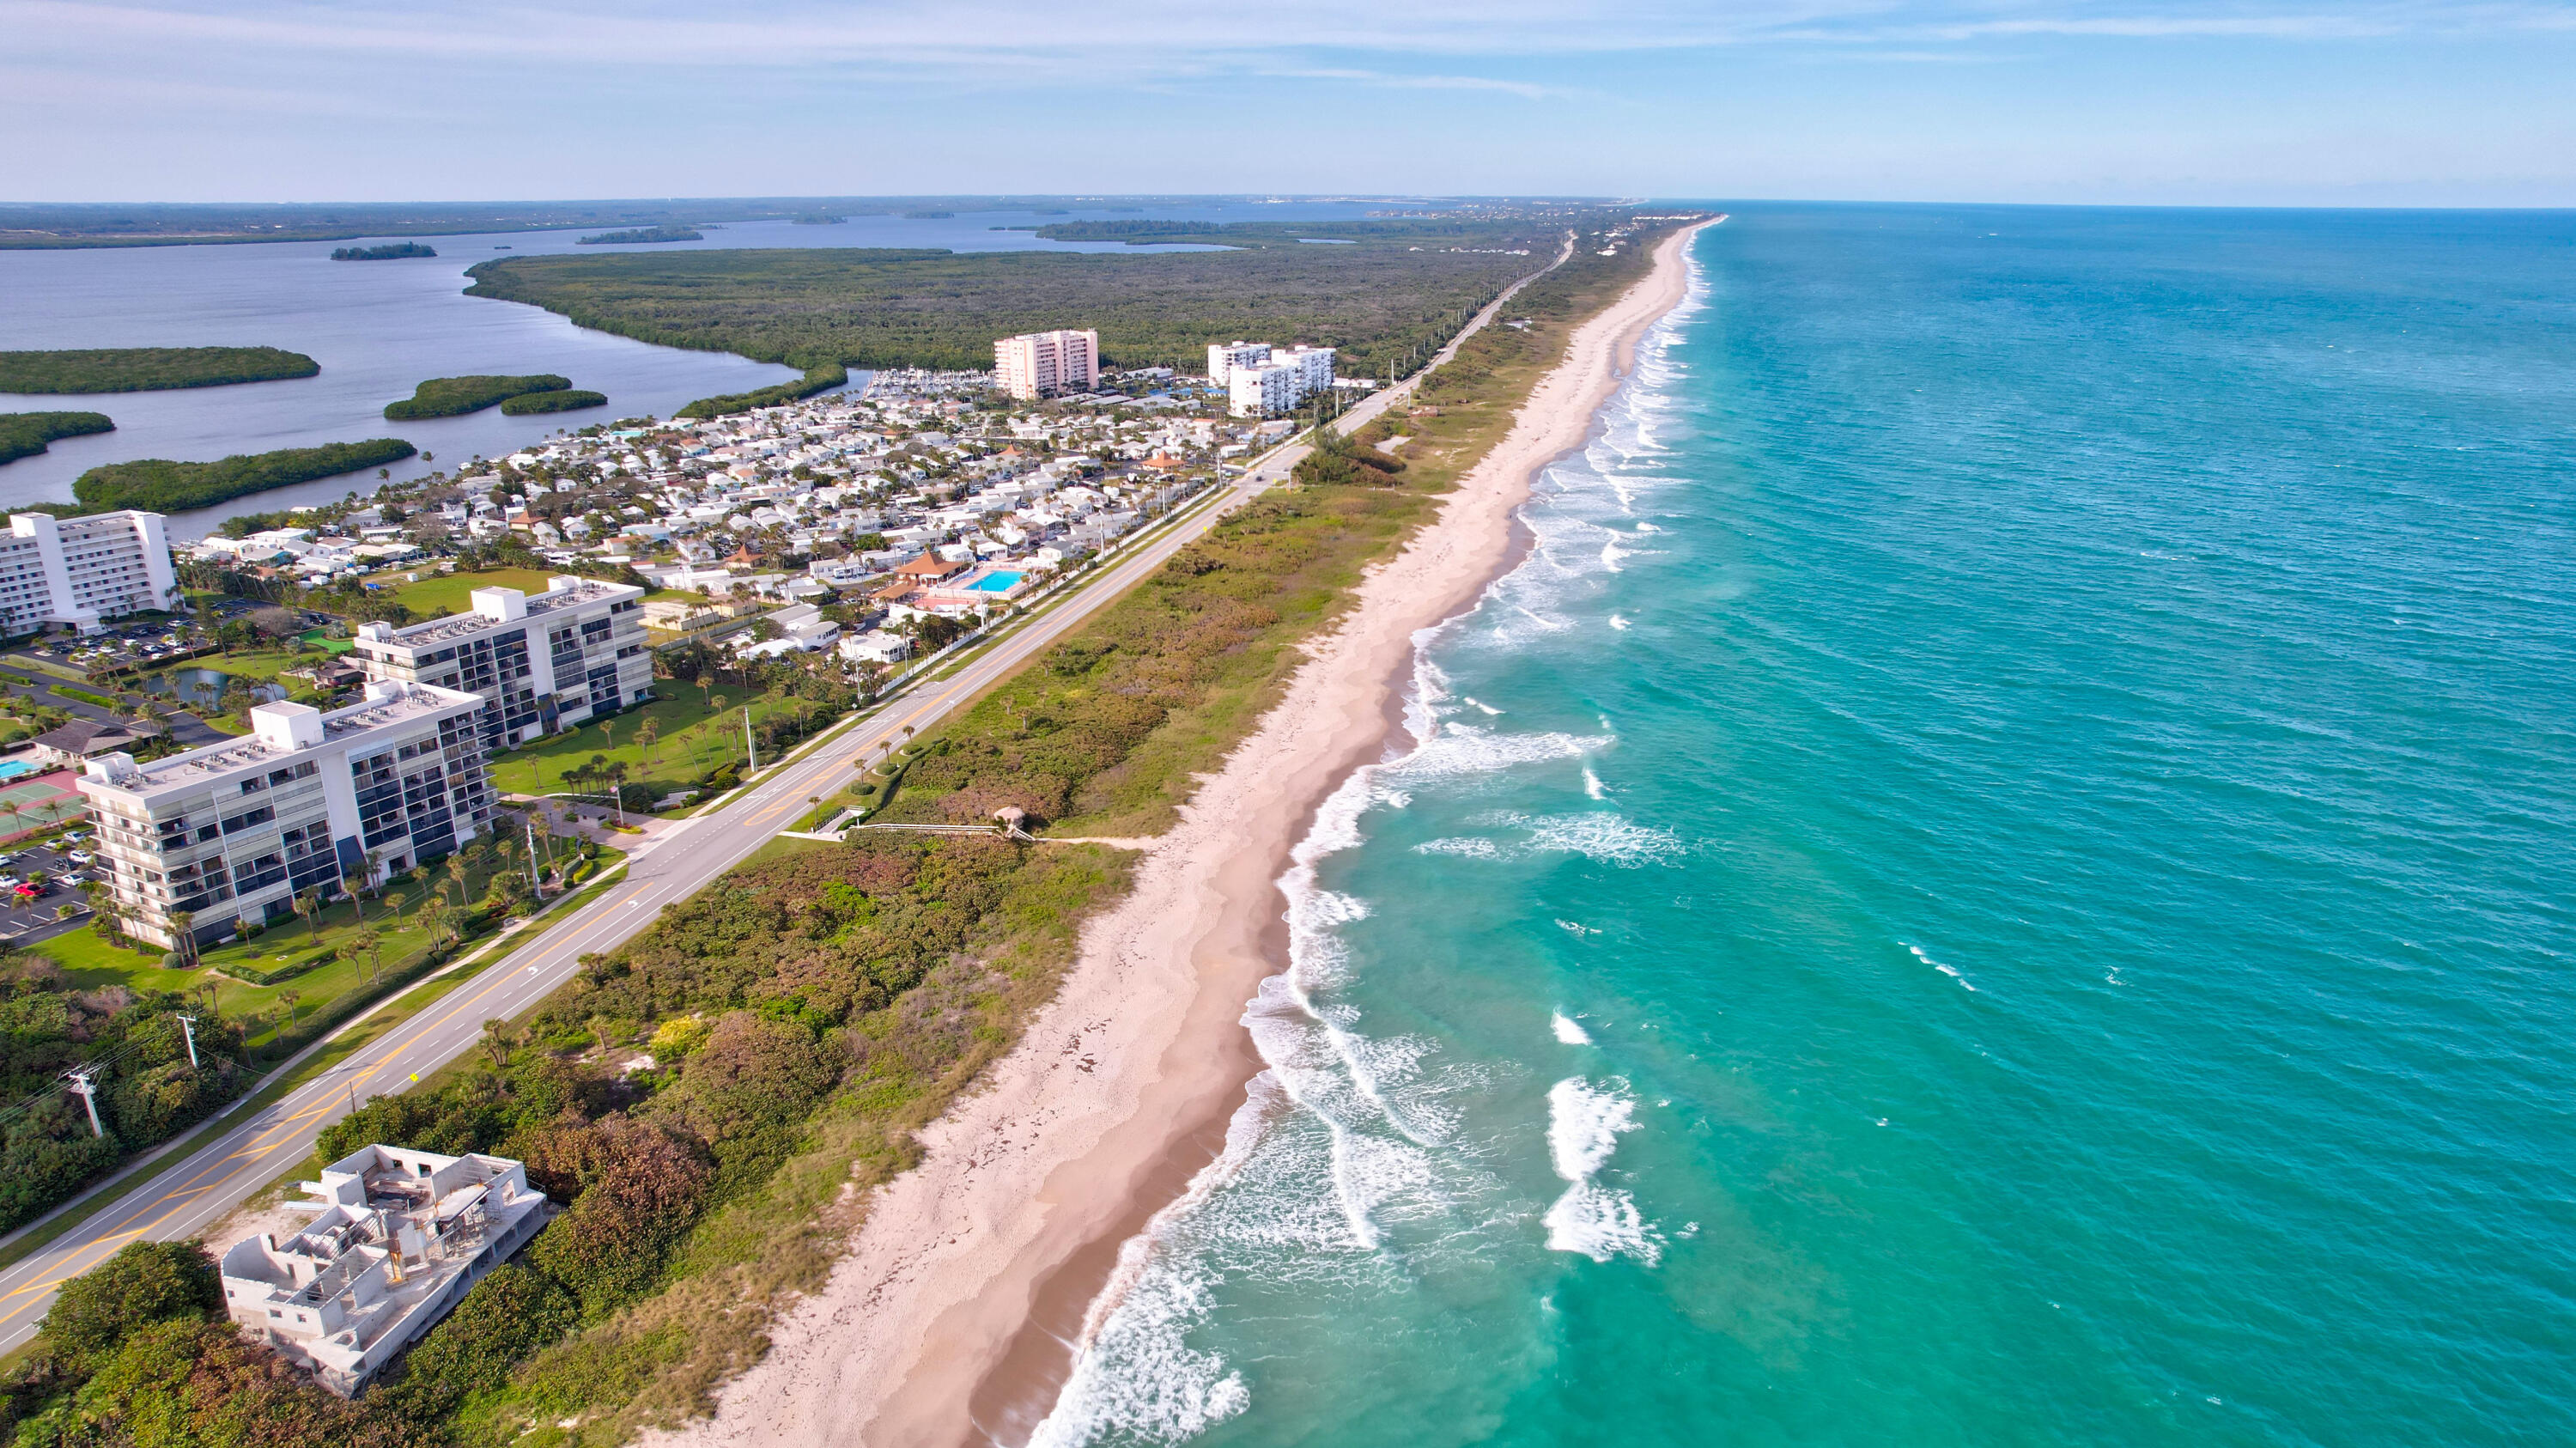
(947, 1321)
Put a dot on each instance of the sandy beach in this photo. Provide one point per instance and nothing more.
(949, 1319)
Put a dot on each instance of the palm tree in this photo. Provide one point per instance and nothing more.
(374, 947)
(350, 885)
(180, 920)
(437, 916)
(647, 735)
(308, 903)
(289, 998)
(393, 904)
(616, 776)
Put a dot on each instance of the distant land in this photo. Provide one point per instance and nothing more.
(1387, 298)
(554, 400)
(148, 369)
(390, 251)
(642, 234)
(819, 218)
(928, 215)
(25, 434)
(85, 224)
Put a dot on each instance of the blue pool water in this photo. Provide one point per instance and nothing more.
(2000, 876)
(994, 583)
(12, 768)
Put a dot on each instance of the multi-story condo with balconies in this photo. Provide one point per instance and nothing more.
(232, 831)
(1041, 364)
(78, 571)
(544, 661)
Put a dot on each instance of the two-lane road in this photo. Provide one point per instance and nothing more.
(186, 1198)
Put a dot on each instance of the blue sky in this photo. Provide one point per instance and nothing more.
(2159, 101)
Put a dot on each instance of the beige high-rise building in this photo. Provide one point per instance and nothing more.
(1038, 363)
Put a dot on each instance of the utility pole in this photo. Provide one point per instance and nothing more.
(530, 820)
(187, 1029)
(749, 748)
(87, 1090)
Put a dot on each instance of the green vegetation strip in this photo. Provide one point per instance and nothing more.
(163, 486)
(567, 401)
(816, 379)
(457, 396)
(147, 369)
(25, 434)
(392, 251)
(641, 234)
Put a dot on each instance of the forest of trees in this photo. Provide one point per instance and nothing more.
(1140, 232)
(457, 396)
(163, 486)
(816, 379)
(147, 369)
(1400, 290)
(390, 251)
(25, 434)
(570, 399)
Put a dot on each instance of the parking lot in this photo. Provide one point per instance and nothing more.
(55, 875)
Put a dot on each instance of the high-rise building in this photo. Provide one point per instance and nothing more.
(543, 662)
(79, 571)
(1225, 357)
(1038, 364)
(231, 832)
(1277, 381)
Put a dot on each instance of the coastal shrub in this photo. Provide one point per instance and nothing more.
(456, 396)
(502, 1322)
(25, 434)
(147, 369)
(563, 401)
(612, 1245)
(143, 1284)
(160, 485)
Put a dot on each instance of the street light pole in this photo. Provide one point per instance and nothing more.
(187, 1029)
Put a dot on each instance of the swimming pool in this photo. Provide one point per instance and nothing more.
(12, 768)
(995, 583)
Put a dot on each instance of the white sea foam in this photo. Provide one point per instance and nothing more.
(1577, 928)
(1476, 703)
(1584, 1123)
(1605, 837)
(1568, 1033)
(1950, 971)
(1466, 847)
(1592, 784)
(1611, 553)
(1618, 623)
(1463, 749)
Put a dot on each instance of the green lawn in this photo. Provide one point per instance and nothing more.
(90, 961)
(691, 739)
(440, 594)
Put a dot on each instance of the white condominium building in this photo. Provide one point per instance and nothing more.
(232, 831)
(398, 1237)
(1225, 357)
(1038, 363)
(80, 570)
(545, 661)
(1277, 383)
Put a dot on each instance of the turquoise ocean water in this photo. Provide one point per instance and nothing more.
(2000, 875)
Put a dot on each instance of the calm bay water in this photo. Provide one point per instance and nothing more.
(2000, 876)
(380, 328)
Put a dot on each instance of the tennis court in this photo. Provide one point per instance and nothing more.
(39, 802)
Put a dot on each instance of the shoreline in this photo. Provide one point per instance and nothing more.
(953, 1315)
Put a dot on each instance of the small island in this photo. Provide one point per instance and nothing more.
(553, 401)
(1134, 233)
(642, 234)
(818, 218)
(25, 434)
(162, 486)
(391, 251)
(457, 396)
(928, 215)
(147, 369)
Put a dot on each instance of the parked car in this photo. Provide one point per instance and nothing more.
(77, 857)
(75, 881)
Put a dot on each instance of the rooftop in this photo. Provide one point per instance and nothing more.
(282, 732)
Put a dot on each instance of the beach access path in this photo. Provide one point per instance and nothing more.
(955, 1315)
